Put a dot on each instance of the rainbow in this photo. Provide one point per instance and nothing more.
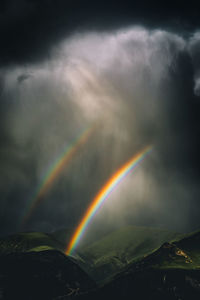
(55, 169)
(103, 194)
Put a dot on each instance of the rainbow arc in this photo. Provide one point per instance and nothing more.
(103, 194)
(54, 170)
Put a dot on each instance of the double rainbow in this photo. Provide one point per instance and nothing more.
(55, 169)
(103, 194)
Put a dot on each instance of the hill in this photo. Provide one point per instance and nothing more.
(116, 250)
(101, 259)
(31, 241)
(130, 263)
(41, 275)
(171, 272)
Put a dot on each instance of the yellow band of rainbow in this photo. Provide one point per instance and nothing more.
(103, 194)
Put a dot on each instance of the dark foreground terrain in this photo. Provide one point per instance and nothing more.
(41, 275)
(32, 267)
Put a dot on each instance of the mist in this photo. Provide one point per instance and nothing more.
(136, 87)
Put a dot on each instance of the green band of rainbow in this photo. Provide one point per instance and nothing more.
(55, 169)
(103, 194)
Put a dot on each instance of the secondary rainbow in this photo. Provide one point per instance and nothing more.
(103, 194)
(55, 169)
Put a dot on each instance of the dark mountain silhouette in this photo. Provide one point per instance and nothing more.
(142, 269)
(41, 275)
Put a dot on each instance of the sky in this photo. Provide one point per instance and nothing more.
(129, 72)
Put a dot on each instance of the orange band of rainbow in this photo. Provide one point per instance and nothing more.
(103, 194)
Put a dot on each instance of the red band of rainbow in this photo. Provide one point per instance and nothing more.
(103, 194)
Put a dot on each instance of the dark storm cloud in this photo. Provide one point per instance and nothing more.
(183, 111)
(30, 28)
(66, 65)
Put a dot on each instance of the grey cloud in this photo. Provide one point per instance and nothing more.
(136, 84)
(30, 29)
(194, 50)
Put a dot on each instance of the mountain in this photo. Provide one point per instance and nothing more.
(116, 250)
(100, 259)
(30, 241)
(131, 263)
(172, 272)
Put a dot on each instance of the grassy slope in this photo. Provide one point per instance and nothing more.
(182, 254)
(170, 272)
(128, 243)
(32, 241)
(112, 253)
(137, 254)
(186, 253)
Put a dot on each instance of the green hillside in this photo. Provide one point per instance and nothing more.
(116, 250)
(171, 272)
(130, 263)
(184, 253)
(32, 241)
(101, 259)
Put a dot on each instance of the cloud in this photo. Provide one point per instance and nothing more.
(30, 29)
(194, 50)
(137, 85)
